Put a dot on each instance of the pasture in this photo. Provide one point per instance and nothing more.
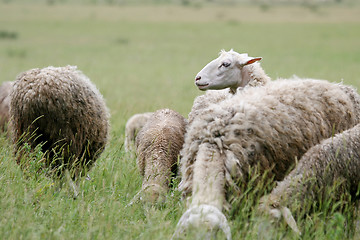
(143, 58)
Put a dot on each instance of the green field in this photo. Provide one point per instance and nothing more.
(143, 58)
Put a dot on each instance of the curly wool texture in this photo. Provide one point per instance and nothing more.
(5, 90)
(64, 110)
(268, 127)
(334, 160)
(202, 102)
(158, 145)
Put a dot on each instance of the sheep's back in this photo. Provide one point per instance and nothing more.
(270, 126)
(334, 158)
(202, 102)
(63, 109)
(162, 134)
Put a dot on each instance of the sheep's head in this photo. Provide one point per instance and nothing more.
(225, 72)
(203, 217)
(271, 207)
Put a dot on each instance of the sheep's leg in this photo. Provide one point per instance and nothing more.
(208, 193)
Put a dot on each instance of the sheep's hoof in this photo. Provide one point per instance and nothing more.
(203, 217)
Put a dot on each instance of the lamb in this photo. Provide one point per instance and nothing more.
(59, 108)
(5, 90)
(335, 160)
(266, 127)
(158, 145)
(132, 127)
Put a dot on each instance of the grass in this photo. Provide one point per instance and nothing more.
(144, 58)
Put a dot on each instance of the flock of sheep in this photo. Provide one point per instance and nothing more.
(250, 122)
(307, 128)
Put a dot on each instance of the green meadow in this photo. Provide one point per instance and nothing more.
(143, 58)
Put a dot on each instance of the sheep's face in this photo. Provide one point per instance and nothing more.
(224, 72)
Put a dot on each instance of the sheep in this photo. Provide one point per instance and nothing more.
(158, 145)
(231, 70)
(132, 127)
(265, 127)
(224, 76)
(5, 90)
(59, 109)
(335, 160)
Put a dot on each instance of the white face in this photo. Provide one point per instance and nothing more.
(223, 72)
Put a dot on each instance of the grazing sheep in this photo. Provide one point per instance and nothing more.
(5, 90)
(231, 70)
(132, 127)
(335, 160)
(61, 109)
(265, 127)
(158, 145)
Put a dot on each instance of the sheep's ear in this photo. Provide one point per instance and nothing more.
(249, 60)
(252, 60)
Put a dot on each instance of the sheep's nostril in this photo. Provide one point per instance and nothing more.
(197, 78)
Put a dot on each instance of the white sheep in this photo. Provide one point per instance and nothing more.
(61, 109)
(265, 127)
(334, 161)
(158, 144)
(132, 127)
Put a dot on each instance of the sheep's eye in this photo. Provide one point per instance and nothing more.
(225, 64)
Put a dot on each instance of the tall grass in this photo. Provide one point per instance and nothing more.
(143, 58)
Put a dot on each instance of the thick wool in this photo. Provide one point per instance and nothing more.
(158, 145)
(266, 127)
(61, 109)
(202, 102)
(334, 161)
(132, 127)
(5, 90)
